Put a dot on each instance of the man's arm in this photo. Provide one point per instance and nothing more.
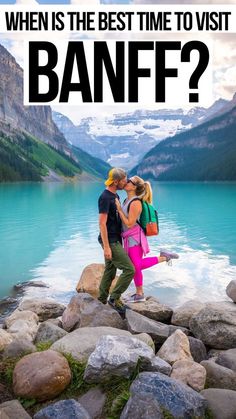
(104, 235)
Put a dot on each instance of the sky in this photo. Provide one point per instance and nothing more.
(223, 58)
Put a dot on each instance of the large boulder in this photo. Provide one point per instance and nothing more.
(41, 375)
(227, 359)
(81, 342)
(90, 279)
(45, 309)
(5, 339)
(64, 409)
(190, 373)
(118, 356)
(183, 314)
(152, 309)
(18, 348)
(137, 323)
(22, 324)
(12, 409)
(83, 310)
(48, 332)
(218, 376)
(143, 406)
(175, 348)
(215, 325)
(174, 397)
(231, 290)
(197, 349)
(93, 401)
(222, 403)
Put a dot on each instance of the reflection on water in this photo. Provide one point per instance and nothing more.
(49, 232)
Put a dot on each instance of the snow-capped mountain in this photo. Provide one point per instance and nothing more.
(123, 140)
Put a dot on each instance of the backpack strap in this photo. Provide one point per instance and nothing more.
(135, 199)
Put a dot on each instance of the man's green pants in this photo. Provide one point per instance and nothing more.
(120, 260)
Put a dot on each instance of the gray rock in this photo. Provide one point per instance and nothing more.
(26, 284)
(197, 349)
(83, 310)
(218, 376)
(215, 325)
(231, 290)
(144, 337)
(183, 314)
(81, 342)
(7, 302)
(175, 348)
(143, 406)
(56, 322)
(175, 397)
(152, 309)
(172, 329)
(5, 339)
(48, 332)
(159, 365)
(45, 309)
(139, 324)
(227, 359)
(19, 347)
(116, 356)
(12, 410)
(222, 403)
(214, 353)
(22, 324)
(93, 401)
(64, 409)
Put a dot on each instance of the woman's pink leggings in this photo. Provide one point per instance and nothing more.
(136, 255)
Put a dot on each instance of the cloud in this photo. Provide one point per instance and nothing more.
(29, 2)
(183, 2)
(84, 2)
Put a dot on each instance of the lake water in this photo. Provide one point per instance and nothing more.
(49, 232)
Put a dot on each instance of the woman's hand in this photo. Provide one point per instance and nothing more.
(118, 206)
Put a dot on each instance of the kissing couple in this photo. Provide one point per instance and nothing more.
(119, 224)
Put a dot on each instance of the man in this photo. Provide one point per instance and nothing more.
(110, 239)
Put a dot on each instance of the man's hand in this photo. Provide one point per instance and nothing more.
(107, 253)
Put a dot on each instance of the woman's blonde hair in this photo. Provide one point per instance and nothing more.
(143, 189)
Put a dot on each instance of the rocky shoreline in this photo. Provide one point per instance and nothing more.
(84, 361)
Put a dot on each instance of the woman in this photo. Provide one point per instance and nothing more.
(134, 239)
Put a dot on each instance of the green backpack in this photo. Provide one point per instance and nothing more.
(148, 219)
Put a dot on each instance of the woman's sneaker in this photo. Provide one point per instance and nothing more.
(169, 256)
(136, 298)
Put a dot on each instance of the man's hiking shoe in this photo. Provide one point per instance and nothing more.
(136, 298)
(117, 305)
(169, 256)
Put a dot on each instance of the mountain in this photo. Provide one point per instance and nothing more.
(35, 120)
(204, 153)
(31, 145)
(25, 158)
(123, 139)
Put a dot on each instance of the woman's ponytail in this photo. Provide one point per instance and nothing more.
(143, 189)
(147, 197)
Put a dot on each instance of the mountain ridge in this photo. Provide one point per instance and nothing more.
(124, 139)
(205, 152)
(31, 145)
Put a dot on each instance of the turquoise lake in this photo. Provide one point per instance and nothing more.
(49, 232)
